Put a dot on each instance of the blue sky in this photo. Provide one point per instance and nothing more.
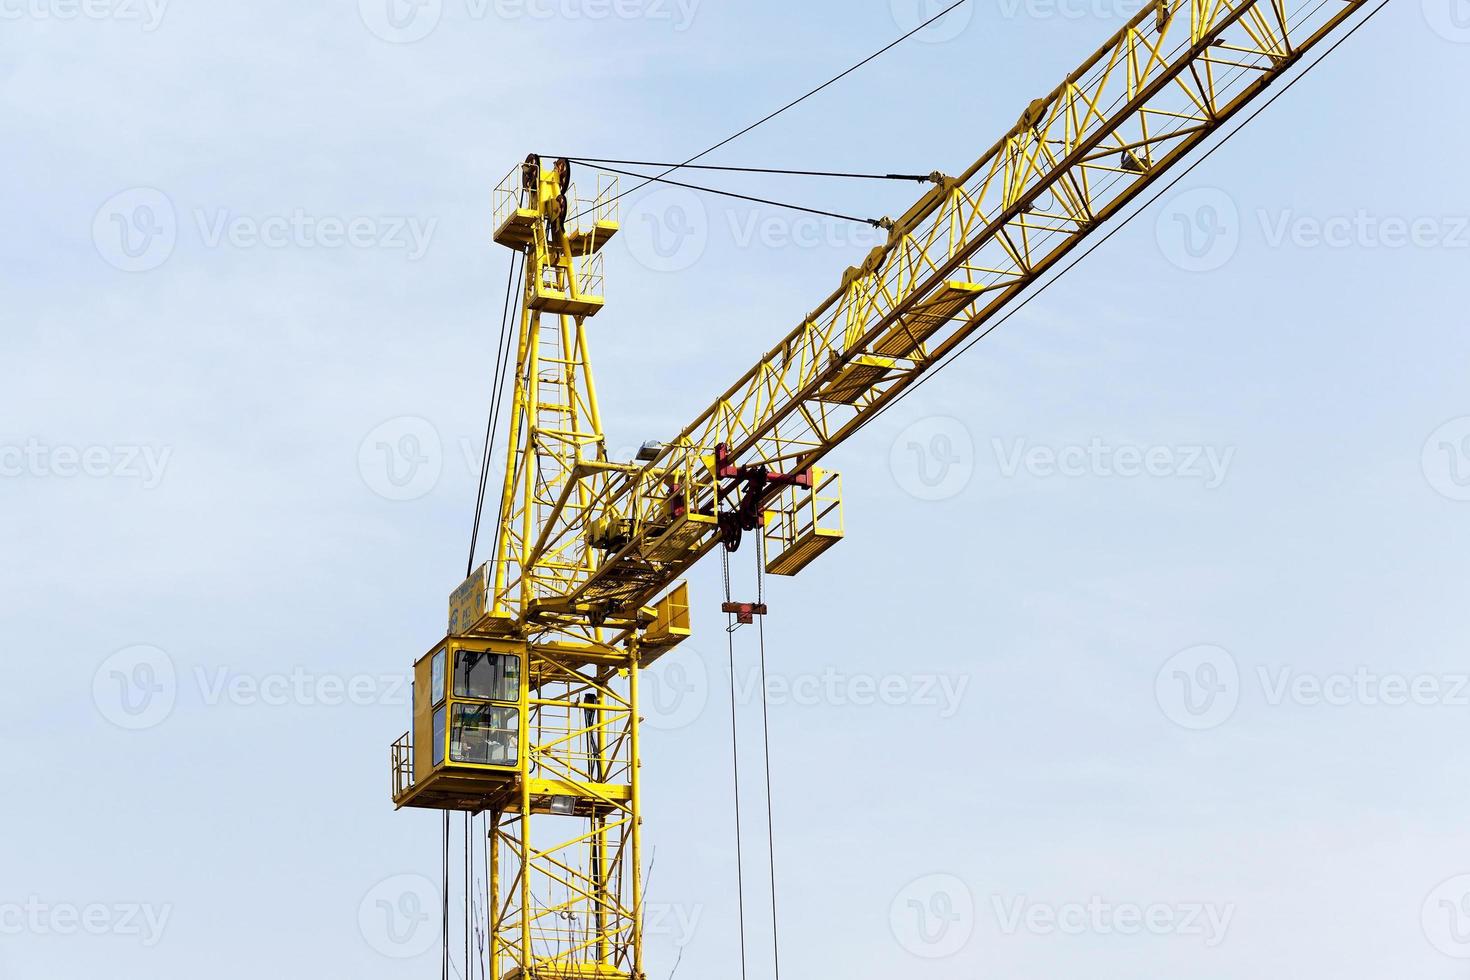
(1144, 654)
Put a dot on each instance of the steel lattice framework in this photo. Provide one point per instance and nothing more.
(586, 545)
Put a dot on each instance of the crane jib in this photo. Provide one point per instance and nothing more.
(528, 711)
(1167, 81)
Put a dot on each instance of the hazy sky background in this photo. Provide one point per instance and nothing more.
(1222, 701)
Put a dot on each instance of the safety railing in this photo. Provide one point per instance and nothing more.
(402, 765)
(601, 207)
(510, 195)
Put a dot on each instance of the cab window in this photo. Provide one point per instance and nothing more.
(436, 686)
(484, 735)
(487, 676)
(439, 727)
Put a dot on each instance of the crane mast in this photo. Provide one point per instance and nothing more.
(583, 590)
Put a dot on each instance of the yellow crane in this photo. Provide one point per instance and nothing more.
(528, 709)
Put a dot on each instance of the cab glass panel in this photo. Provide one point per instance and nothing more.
(484, 734)
(487, 676)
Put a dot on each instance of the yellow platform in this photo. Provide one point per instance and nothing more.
(927, 316)
(550, 300)
(589, 241)
(856, 379)
(518, 230)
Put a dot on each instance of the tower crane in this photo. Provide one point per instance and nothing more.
(527, 710)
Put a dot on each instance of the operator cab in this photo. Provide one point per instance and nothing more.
(469, 707)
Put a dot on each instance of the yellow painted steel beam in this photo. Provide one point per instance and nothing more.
(1161, 86)
(585, 546)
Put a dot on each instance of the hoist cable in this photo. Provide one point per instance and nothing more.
(876, 223)
(919, 178)
(1124, 222)
(790, 105)
(760, 564)
(444, 901)
(735, 765)
(467, 854)
(502, 347)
